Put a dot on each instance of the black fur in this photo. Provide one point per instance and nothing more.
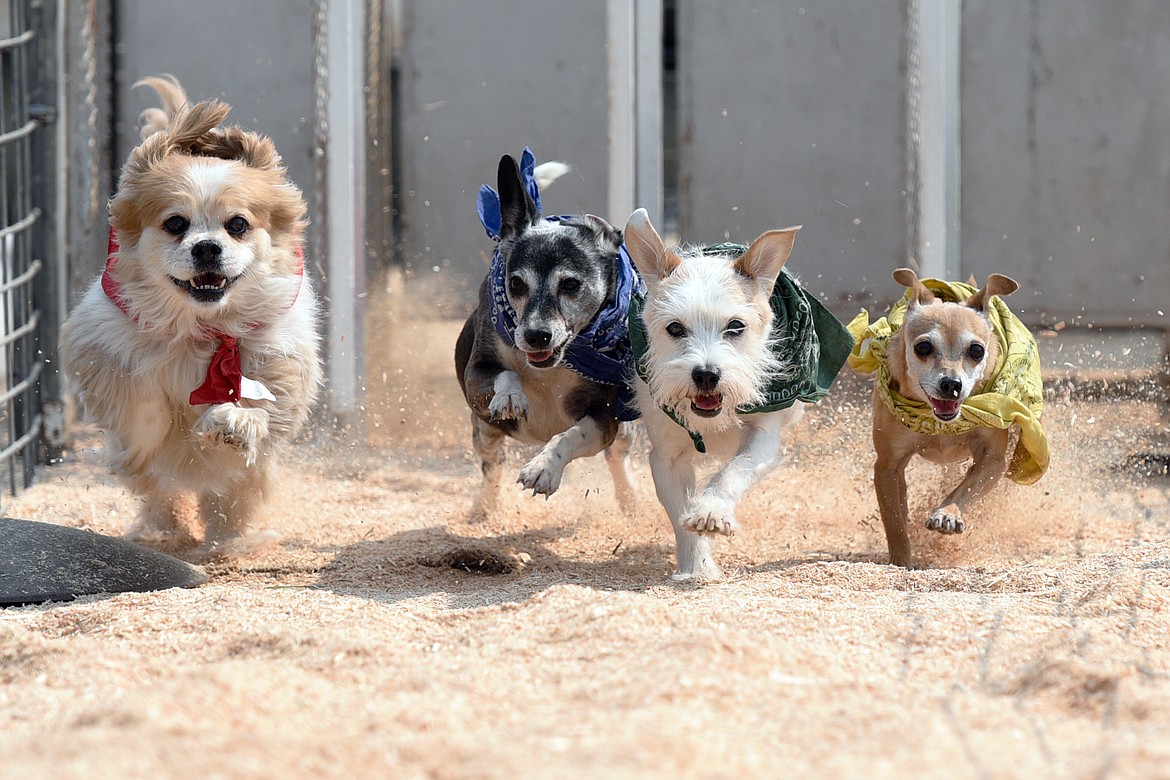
(559, 276)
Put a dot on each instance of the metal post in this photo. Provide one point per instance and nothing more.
(648, 107)
(938, 140)
(619, 39)
(345, 198)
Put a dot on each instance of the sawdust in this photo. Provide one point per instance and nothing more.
(385, 636)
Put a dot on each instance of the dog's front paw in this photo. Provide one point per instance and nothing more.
(946, 520)
(711, 515)
(543, 473)
(233, 427)
(508, 406)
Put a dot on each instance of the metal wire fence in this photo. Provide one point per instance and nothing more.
(20, 366)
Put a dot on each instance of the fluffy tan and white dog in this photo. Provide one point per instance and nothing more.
(197, 349)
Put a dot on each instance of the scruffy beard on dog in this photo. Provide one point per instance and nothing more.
(205, 268)
(709, 335)
(717, 352)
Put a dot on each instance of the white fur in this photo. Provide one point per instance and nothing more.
(133, 373)
(704, 294)
(548, 172)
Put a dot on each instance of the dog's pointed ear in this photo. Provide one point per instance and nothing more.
(517, 210)
(767, 255)
(907, 278)
(651, 257)
(607, 235)
(996, 284)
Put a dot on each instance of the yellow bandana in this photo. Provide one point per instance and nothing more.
(1013, 395)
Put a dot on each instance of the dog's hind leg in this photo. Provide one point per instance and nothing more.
(231, 518)
(166, 517)
(617, 458)
(488, 442)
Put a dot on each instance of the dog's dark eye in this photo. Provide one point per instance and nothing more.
(735, 328)
(923, 349)
(176, 225)
(236, 226)
(570, 285)
(976, 351)
(676, 330)
(516, 287)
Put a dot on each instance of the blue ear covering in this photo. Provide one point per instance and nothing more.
(527, 175)
(488, 206)
(488, 201)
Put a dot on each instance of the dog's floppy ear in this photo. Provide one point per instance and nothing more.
(608, 237)
(651, 257)
(996, 284)
(907, 278)
(517, 210)
(767, 255)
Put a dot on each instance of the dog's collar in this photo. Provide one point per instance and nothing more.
(1012, 395)
(225, 381)
(813, 345)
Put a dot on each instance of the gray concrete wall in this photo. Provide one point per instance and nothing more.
(257, 56)
(1066, 156)
(479, 80)
(792, 113)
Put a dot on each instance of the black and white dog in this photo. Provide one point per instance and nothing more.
(545, 356)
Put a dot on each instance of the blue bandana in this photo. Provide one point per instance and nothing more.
(602, 351)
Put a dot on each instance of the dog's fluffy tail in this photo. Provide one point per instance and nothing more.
(548, 172)
(173, 99)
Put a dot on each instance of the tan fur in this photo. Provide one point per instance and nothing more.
(133, 374)
(951, 328)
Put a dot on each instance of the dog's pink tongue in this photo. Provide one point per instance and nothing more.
(708, 403)
(539, 357)
(945, 408)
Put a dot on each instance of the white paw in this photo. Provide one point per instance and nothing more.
(233, 427)
(508, 406)
(946, 520)
(711, 515)
(543, 473)
(708, 572)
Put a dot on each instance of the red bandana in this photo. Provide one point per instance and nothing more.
(224, 380)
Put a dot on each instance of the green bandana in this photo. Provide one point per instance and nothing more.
(814, 344)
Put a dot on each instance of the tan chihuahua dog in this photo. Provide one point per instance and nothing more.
(943, 352)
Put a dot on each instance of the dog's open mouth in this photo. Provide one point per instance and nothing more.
(206, 287)
(546, 358)
(945, 410)
(707, 404)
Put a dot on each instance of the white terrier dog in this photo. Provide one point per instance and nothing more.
(725, 347)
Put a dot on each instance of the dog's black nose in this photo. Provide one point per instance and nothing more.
(538, 339)
(206, 254)
(950, 388)
(706, 379)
